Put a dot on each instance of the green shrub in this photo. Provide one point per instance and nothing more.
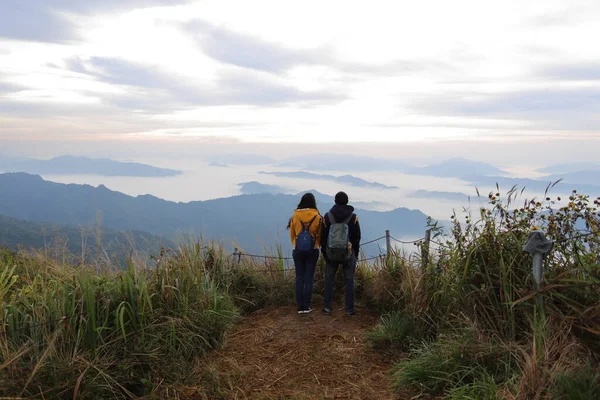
(456, 359)
(580, 384)
(482, 388)
(108, 333)
(395, 332)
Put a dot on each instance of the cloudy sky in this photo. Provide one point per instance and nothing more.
(299, 71)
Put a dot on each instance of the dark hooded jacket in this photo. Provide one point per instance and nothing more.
(340, 213)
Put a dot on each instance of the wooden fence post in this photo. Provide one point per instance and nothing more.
(425, 249)
(388, 245)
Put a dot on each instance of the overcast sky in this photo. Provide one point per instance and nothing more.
(300, 71)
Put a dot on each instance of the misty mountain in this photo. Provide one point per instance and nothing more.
(255, 187)
(71, 165)
(451, 168)
(255, 221)
(218, 164)
(239, 159)
(342, 162)
(322, 199)
(456, 168)
(488, 182)
(85, 242)
(327, 201)
(346, 179)
(577, 177)
(570, 168)
(427, 194)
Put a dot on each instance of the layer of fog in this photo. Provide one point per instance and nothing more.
(203, 182)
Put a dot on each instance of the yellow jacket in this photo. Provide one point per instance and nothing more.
(304, 216)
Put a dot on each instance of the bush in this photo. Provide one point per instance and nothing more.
(515, 344)
(90, 332)
(456, 359)
(580, 384)
(396, 332)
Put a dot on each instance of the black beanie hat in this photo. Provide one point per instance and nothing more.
(341, 198)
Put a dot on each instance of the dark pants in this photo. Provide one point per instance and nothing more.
(330, 269)
(305, 264)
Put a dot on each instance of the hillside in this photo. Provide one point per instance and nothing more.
(72, 165)
(79, 241)
(250, 220)
(471, 323)
(346, 179)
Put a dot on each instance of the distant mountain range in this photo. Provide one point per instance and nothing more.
(347, 179)
(86, 242)
(255, 222)
(342, 162)
(218, 164)
(451, 168)
(239, 159)
(427, 194)
(577, 177)
(255, 187)
(539, 186)
(456, 168)
(71, 165)
(570, 168)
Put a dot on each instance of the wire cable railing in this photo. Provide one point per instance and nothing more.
(407, 242)
(239, 254)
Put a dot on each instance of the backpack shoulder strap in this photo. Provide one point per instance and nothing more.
(307, 227)
(347, 220)
(331, 218)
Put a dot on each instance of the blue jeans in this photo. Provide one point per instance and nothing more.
(330, 269)
(305, 264)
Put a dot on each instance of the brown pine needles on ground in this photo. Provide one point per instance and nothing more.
(276, 353)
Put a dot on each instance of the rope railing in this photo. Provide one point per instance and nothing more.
(372, 241)
(407, 242)
(241, 254)
(290, 258)
(5, 332)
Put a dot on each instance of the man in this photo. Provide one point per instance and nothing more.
(340, 243)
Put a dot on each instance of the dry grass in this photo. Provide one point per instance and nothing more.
(276, 353)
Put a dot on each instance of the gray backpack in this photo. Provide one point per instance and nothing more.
(337, 241)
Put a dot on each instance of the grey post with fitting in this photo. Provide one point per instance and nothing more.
(538, 246)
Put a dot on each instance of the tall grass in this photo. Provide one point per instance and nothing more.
(477, 296)
(86, 332)
(470, 324)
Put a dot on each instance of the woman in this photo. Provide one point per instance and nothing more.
(305, 230)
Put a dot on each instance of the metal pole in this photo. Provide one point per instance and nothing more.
(538, 270)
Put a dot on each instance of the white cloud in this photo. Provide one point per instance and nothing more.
(269, 70)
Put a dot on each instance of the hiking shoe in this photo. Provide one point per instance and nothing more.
(350, 313)
(327, 310)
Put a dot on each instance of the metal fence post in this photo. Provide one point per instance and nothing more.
(538, 246)
(538, 270)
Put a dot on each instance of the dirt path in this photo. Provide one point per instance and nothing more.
(276, 353)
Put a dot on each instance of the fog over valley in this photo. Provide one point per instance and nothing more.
(386, 183)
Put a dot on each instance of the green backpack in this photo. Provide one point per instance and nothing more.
(337, 241)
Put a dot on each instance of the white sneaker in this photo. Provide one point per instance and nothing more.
(307, 311)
